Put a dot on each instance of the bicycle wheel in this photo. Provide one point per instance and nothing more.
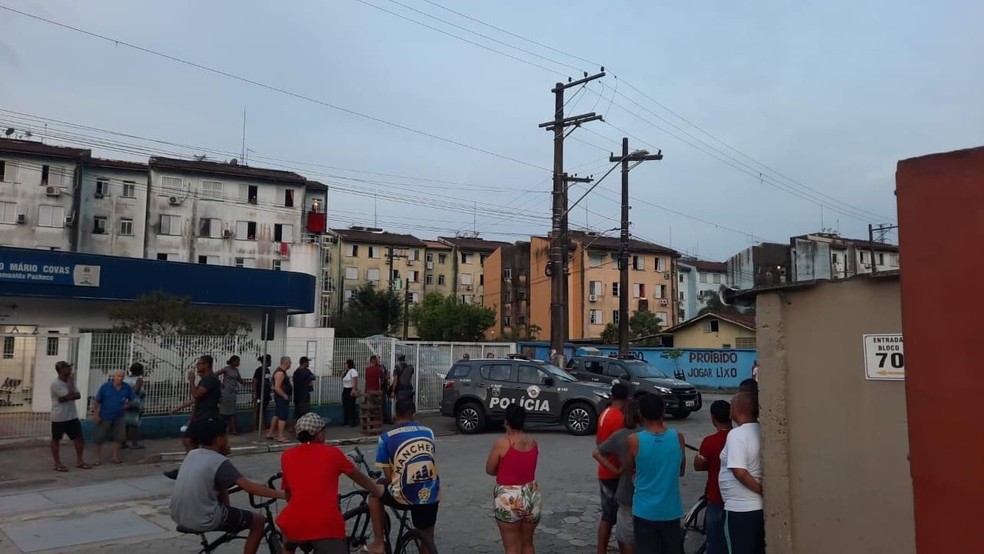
(358, 527)
(693, 529)
(415, 542)
(275, 542)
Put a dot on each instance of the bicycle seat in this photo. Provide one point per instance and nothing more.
(183, 529)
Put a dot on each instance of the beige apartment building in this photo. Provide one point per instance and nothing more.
(366, 255)
(438, 268)
(594, 283)
(468, 274)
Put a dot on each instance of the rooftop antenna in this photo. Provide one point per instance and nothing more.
(821, 219)
(375, 209)
(44, 137)
(242, 154)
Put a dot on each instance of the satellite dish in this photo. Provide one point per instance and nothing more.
(199, 157)
(234, 161)
(9, 131)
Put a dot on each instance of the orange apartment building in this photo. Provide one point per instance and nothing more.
(507, 292)
(594, 283)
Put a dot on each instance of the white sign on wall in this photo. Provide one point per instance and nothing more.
(884, 358)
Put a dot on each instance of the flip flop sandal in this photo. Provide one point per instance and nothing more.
(84, 466)
(61, 469)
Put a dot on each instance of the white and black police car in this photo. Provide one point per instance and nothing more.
(476, 393)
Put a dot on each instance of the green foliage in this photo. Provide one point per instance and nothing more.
(642, 328)
(370, 311)
(160, 314)
(528, 332)
(445, 318)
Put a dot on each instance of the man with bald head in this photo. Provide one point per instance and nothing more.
(740, 478)
(108, 414)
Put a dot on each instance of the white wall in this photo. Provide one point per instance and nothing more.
(115, 208)
(22, 188)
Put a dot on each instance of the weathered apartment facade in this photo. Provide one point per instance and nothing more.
(507, 291)
(468, 271)
(699, 281)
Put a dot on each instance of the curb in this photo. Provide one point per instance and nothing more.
(256, 449)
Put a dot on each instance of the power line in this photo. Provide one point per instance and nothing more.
(223, 73)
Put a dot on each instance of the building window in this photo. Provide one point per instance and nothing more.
(745, 343)
(414, 255)
(288, 198)
(346, 295)
(8, 212)
(716, 278)
(615, 288)
(162, 257)
(639, 290)
(521, 320)
(681, 277)
(171, 184)
(170, 225)
(596, 259)
(615, 314)
(102, 186)
(430, 258)
(372, 275)
(211, 189)
(712, 326)
(466, 279)
(664, 319)
(660, 291)
(429, 279)
(415, 297)
(99, 225)
(595, 317)
(210, 260)
(395, 275)
(3, 170)
(276, 265)
(683, 316)
(246, 262)
(660, 264)
(283, 232)
(441, 280)
(834, 258)
(507, 273)
(466, 299)
(481, 280)
(682, 296)
(863, 256)
(8, 346)
(595, 288)
(126, 227)
(209, 227)
(249, 193)
(352, 273)
(375, 252)
(481, 259)
(129, 189)
(51, 349)
(352, 250)
(51, 216)
(246, 230)
(638, 262)
(881, 259)
(507, 320)
(702, 277)
(413, 276)
(45, 173)
(442, 258)
(467, 258)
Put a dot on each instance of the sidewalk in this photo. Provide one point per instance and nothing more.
(29, 464)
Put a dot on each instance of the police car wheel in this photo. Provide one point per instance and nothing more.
(580, 419)
(470, 418)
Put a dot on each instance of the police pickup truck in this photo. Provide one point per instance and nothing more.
(476, 393)
(640, 376)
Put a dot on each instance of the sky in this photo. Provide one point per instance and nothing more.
(775, 118)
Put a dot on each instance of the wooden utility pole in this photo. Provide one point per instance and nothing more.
(638, 157)
(559, 240)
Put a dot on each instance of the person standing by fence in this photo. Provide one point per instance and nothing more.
(231, 379)
(375, 392)
(65, 417)
(303, 385)
(350, 389)
(403, 376)
(108, 412)
(262, 393)
(134, 410)
(282, 390)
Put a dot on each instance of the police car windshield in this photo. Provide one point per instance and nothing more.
(644, 370)
(557, 373)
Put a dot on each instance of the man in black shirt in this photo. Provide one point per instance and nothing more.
(205, 399)
(303, 385)
(262, 393)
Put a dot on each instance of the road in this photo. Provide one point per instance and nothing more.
(566, 473)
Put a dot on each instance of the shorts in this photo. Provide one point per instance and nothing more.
(321, 546)
(517, 503)
(281, 408)
(132, 418)
(609, 505)
(234, 520)
(624, 531)
(110, 431)
(424, 516)
(192, 433)
(72, 428)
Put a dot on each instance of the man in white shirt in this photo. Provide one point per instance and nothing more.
(741, 478)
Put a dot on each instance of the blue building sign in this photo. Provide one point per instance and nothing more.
(18, 269)
(704, 368)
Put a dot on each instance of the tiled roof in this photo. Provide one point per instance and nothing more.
(117, 164)
(703, 265)
(221, 168)
(474, 244)
(374, 237)
(746, 321)
(34, 148)
(600, 242)
(436, 245)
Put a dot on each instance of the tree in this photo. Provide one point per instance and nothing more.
(643, 328)
(370, 311)
(675, 356)
(526, 332)
(713, 304)
(446, 318)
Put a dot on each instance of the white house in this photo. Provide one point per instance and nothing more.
(830, 256)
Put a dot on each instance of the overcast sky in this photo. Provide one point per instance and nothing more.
(820, 97)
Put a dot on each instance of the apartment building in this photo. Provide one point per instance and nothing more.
(438, 267)
(469, 255)
(39, 194)
(113, 208)
(831, 256)
(594, 283)
(699, 281)
(368, 255)
(507, 291)
(763, 265)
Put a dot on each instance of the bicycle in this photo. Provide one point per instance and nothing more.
(694, 534)
(358, 525)
(271, 535)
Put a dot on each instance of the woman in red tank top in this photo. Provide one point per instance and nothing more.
(516, 501)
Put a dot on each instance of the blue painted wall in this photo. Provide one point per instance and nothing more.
(704, 368)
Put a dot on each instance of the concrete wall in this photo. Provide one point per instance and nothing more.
(940, 217)
(835, 445)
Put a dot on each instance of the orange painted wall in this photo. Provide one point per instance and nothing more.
(540, 285)
(492, 295)
(941, 218)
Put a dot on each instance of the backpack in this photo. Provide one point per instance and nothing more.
(404, 376)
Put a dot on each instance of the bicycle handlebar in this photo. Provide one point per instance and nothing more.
(271, 483)
(360, 460)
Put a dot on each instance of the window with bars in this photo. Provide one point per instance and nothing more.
(8, 348)
(51, 348)
(745, 343)
(171, 184)
(211, 189)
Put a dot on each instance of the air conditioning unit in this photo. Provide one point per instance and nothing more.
(174, 201)
(98, 194)
(666, 275)
(69, 219)
(468, 288)
(430, 265)
(664, 302)
(52, 191)
(21, 218)
(227, 234)
(410, 262)
(592, 298)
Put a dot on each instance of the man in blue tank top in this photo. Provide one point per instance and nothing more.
(657, 460)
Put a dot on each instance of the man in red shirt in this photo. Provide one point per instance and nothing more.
(611, 420)
(709, 459)
(311, 471)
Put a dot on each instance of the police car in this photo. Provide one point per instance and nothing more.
(476, 393)
(639, 376)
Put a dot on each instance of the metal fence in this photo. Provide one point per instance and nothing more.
(26, 360)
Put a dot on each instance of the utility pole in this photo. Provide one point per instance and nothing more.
(882, 230)
(406, 311)
(559, 240)
(638, 157)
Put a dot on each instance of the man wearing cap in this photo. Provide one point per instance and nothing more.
(65, 417)
(310, 478)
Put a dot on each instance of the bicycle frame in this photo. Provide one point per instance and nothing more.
(403, 516)
(270, 531)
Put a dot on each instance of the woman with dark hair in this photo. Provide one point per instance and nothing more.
(311, 471)
(350, 389)
(231, 379)
(516, 503)
(134, 410)
(617, 445)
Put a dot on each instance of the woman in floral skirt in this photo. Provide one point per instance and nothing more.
(517, 497)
